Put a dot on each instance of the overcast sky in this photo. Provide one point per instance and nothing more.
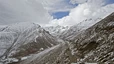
(53, 12)
(85, 9)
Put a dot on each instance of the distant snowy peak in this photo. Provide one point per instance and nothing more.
(21, 27)
(86, 23)
(74, 30)
(56, 30)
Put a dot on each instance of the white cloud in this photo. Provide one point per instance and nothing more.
(90, 9)
(78, 1)
(13, 11)
(56, 5)
(87, 1)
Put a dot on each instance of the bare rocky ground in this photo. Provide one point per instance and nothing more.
(48, 56)
(94, 45)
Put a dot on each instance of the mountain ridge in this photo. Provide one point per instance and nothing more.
(20, 41)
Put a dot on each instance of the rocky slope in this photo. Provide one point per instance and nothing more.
(93, 45)
(28, 43)
(22, 39)
(96, 44)
(48, 56)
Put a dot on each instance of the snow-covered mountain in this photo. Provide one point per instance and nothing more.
(31, 44)
(94, 45)
(76, 29)
(21, 39)
(56, 30)
(92, 40)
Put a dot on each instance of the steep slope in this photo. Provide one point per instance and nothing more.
(76, 29)
(56, 30)
(22, 39)
(47, 56)
(93, 45)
